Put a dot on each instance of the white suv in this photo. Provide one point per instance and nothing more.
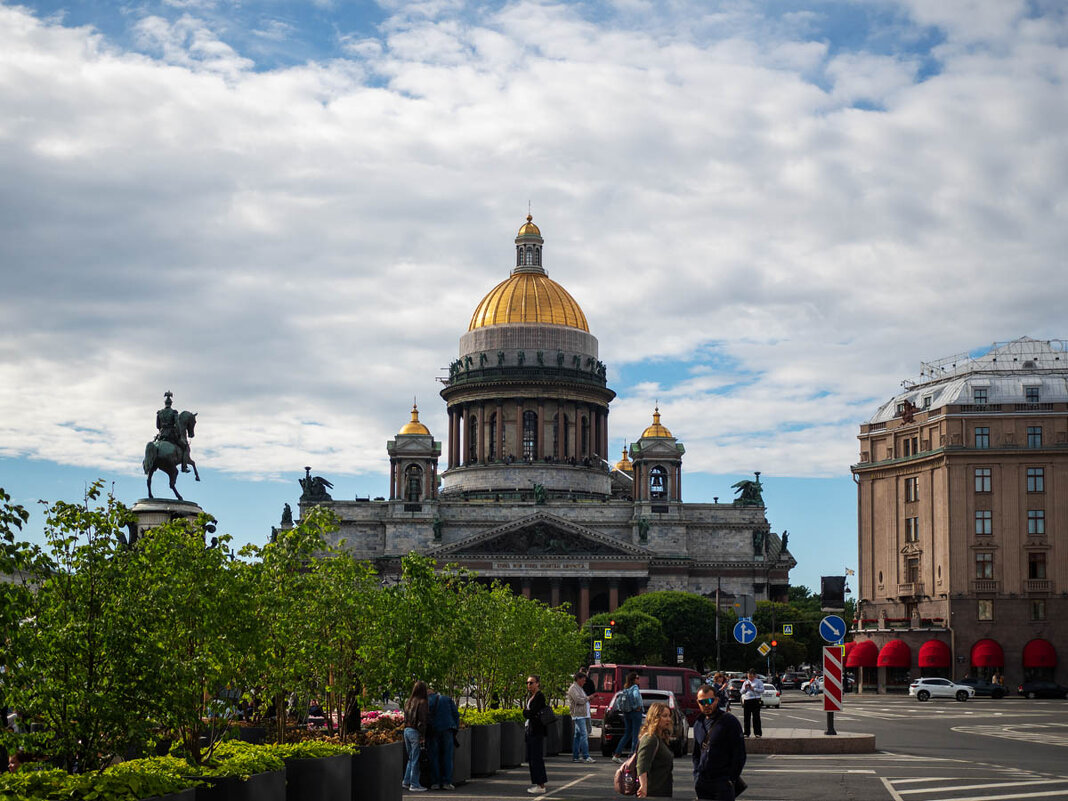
(925, 689)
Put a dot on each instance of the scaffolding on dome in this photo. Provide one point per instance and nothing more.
(1017, 354)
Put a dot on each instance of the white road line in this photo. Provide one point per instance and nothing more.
(569, 784)
(925, 779)
(806, 770)
(1053, 794)
(955, 788)
(890, 789)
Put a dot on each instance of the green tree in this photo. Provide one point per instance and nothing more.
(637, 637)
(687, 620)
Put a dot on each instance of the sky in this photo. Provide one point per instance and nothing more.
(285, 213)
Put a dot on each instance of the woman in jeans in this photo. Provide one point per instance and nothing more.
(630, 702)
(416, 716)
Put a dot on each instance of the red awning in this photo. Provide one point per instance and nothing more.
(935, 654)
(846, 648)
(864, 654)
(895, 654)
(987, 653)
(1039, 653)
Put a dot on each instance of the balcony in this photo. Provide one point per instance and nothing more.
(1038, 585)
(984, 586)
(911, 589)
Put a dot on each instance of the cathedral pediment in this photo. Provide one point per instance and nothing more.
(540, 535)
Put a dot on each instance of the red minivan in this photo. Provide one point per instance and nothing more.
(609, 679)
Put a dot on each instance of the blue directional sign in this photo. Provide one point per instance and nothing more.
(745, 631)
(832, 628)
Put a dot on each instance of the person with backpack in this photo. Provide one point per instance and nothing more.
(533, 711)
(718, 749)
(630, 706)
(444, 723)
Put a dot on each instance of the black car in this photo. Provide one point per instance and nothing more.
(792, 681)
(734, 690)
(612, 727)
(983, 687)
(1043, 689)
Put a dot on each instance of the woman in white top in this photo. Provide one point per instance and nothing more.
(752, 693)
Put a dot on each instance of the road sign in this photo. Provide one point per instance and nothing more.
(764, 648)
(832, 628)
(679, 659)
(745, 631)
(832, 678)
(608, 634)
(788, 629)
(597, 645)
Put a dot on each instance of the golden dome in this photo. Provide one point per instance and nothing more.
(624, 464)
(656, 429)
(413, 426)
(528, 297)
(529, 228)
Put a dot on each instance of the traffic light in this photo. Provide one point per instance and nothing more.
(774, 643)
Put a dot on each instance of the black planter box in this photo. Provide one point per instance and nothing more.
(461, 768)
(260, 787)
(181, 795)
(485, 749)
(377, 771)
(322, 779)
(553, 738)
(567, 733)
(513, 744)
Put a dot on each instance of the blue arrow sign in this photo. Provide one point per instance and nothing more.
(745, 631)
(832, 628)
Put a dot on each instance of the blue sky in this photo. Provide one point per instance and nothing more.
(285, 213)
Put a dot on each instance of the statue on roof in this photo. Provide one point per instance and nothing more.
(314, 488)
(749, 492)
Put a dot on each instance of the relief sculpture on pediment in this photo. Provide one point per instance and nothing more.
(541, 539)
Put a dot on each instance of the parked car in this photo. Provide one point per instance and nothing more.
(772, 696)
(983, 687)
(608, 679)
(1043, 689)
(792, 681)
(734, 690)
(612, 726)
(926, 689)
(813, 686)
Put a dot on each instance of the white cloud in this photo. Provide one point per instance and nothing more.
(295, 251)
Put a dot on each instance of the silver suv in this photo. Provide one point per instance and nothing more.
(926, 689)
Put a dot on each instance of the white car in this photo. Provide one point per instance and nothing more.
(813, 686)
(771, 696)
(926, 689)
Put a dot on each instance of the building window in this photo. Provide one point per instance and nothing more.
(912, 446)
(979, 396)
(1036, 521)
(901, 408)
(1036, 565)
(585, 437)
(983, 522)
(986, 610)
(984, 565)
(982, 479)
(1034, 436)
(912, 489)
(472, 439)
(413, 478)
(1038, 609)
(1036, 479)
(912, 569)
(926, 401)
(492, 450)
(1031, 394)
(658, 482)
(912, 529)
(982, 437)
(530, 435)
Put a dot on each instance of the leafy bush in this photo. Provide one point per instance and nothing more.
(489, 716)
(310, 749)
(242, 760)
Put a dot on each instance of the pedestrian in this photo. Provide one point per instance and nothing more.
(444, 723)
(579, 706)
(718, 749)
(655, 760)
(416, 720)
(535, 736)
(719, 683)
(752, 693)
(629, 704)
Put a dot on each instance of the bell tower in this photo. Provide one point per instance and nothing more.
(656, 459)
(413, 463)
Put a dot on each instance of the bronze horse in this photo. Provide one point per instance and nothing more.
(163, 455)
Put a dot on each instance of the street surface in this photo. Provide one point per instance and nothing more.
(980, 750)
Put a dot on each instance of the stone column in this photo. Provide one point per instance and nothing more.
(500, 429)
(613, 595)
(559, 454)
(393, 481)
(432, 470)
(526, 589)
(584, 601)
(519, 428)
(575, 430)
(482, 433)
(540, 439)
(554, 586)
(452, 440)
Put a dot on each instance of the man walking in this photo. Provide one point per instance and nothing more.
(752, 693)
(579, 707)
(718, 748)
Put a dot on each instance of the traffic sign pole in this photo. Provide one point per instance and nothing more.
(832, 684)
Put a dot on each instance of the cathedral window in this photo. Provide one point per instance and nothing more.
(658, 482)
(585, 447)
(537, 257)
(413, 478)
(530, 435)
(472, 439)
(493, 436)
(530, 255)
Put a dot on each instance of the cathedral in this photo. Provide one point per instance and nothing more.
(527, 496)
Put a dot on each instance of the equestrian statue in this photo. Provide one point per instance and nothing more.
(170, 449)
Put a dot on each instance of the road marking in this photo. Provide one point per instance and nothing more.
(1042, 733)
(957, 788)
(806, 770)
(1055, 793)
(569, 784)
(890, 789)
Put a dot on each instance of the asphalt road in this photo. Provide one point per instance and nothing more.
(980, 750)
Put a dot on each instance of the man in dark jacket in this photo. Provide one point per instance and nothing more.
(718, 748)
(444, 723)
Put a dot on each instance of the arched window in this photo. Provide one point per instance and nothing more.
(585, 448)
(658, 482)
(472, 439)
(492, 450)
(530, 255)
(518, 255)
(530, 435)
(413, 480)
(537, 256)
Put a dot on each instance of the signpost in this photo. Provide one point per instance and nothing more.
(678, 655)
(788, 629)
(832, 683)
(832, 629)
(763, 649)
(745, 631)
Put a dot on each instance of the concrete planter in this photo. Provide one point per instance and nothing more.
(377, 771)
(513, 744)
(567, 733)
(461, 767)
(552, 738)
(181, 795)
(260, 787)
(485, 749)
(322, 779)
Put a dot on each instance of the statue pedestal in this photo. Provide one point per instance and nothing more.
(151, 512)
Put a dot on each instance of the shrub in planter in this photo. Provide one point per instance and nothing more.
(243, 772)
(461, 766)
(377, 771)
(317, 770)
(513, 744)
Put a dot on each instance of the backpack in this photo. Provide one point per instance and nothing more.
(627, 701)
(626, 779)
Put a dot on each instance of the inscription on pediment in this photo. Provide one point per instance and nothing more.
(541, 539)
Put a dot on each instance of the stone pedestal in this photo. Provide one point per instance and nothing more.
(151, 512)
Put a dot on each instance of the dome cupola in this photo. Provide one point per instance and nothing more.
(413, 426)
(657, 429)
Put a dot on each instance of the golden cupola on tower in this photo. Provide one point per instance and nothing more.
(625, 464)
(413, 426)
(657, 429)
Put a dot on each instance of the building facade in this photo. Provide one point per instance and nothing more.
(962, 489)
(527, 496)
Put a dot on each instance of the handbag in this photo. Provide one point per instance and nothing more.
(546, 716)
(625, 781)
(739, 786)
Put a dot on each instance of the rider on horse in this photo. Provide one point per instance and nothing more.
(170, 431)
